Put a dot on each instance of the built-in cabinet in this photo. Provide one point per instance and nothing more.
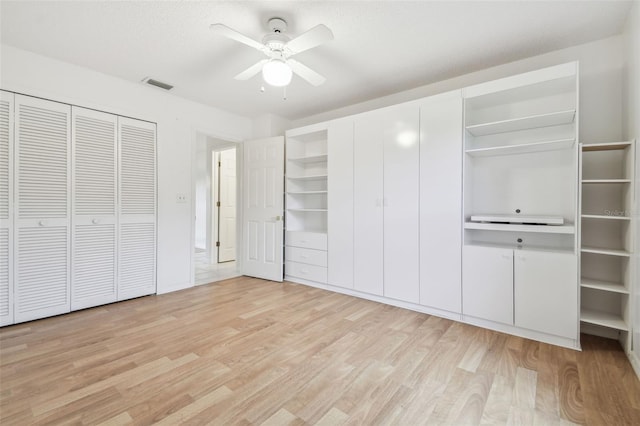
(520, 204)
(306, 172)
(77, 208)
(607, 239)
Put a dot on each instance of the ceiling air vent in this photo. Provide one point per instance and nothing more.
(157, 83)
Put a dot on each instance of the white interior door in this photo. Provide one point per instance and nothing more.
(42, 201)
(137, 215)
(227, 206)
(6, 208)
(263, 206)
(94, 182)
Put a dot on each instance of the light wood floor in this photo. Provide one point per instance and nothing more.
(246, 351)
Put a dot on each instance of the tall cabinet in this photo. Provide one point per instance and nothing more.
(77, 208)
(607, 245)
(520, 204)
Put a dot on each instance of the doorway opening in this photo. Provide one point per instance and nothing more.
(216, 210)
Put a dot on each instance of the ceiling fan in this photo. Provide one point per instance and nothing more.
(278, 67)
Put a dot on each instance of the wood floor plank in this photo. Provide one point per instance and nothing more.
(247, 352)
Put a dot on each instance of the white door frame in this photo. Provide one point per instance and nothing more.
(224, 141)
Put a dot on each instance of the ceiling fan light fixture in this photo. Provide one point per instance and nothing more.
(277, 73)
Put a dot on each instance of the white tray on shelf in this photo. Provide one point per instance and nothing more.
(520, 219)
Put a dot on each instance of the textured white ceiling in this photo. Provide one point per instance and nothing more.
(380, 47)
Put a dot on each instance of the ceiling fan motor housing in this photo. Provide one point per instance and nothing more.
(277, 25)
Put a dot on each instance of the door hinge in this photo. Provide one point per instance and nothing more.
(219, 163)
(217, 243)
(218, 204)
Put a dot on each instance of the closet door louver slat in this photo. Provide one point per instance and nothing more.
(42, 245)
(93, 280)
(6, 208)
(137, 223)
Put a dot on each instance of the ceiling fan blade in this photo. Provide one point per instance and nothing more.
(251, 71)
(312, 38)
(306, 73)
(225, 31)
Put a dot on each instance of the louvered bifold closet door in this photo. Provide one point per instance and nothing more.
(6, 208)
(137, 219)
(94, 183)
(42, 206)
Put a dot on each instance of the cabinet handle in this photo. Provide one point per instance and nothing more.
(302, 256)
(42, 223)
(304, 271)
(95, 221)
(505, 256)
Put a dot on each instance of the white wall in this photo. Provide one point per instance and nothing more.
(601, 71)
(202, 172)
(178, 121)
(267, 125)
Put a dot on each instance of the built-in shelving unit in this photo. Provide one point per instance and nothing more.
(513, 133)
(520, 253)
(606, 239)
(306, 204)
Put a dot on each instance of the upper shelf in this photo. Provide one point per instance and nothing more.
(523, 123)
(310, 159)
(522, 148)
(606, 180)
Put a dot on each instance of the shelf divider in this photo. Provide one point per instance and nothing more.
(603, 285)
(524, 148)
(610, 252)
(544, 229)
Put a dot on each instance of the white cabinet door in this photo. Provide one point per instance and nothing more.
(367, 198)
(546, 292)
(6, 208)
(42, 202)
(137, 211)
(401, 203)
(94, 182)
(487, 290)
(340, 203)
(441, 202)
(263, 206)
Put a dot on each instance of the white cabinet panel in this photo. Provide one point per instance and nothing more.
(94, 183)
(488, 283)
(367, 198)
(311, 240)
(137, 220)
(6, 208)
(546, 292)
(307, 272)
(340, 203)
(308, 256)
(401, 203)
(441, 202)
(43, 184)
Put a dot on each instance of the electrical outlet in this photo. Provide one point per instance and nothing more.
(181, 198)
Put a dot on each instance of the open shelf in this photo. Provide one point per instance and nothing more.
(307, 210)
(605, 217)
(524, 148)
(608, 146)
(606, 181)
(547, 229)
(522, 123)
(310, 159)
(603, 285)
(306, 192)
(610, 252)
(604, 319)
(314, 177)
